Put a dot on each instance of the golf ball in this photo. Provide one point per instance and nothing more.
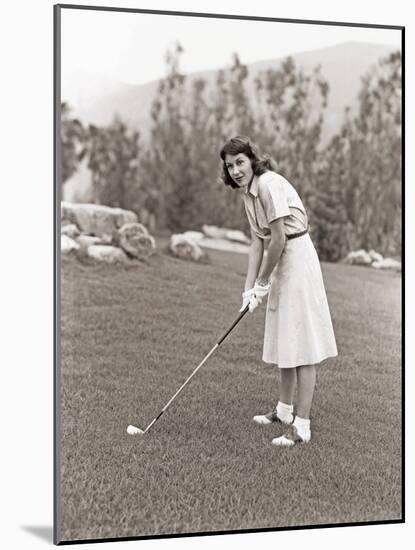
(132, 430)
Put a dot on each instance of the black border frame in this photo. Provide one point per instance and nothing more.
(57, 258)
(56, 270)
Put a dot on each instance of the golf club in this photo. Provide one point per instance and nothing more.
(134, 430)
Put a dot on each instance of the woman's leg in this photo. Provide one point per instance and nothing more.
(288, 378)
(306, 381)
(284, 410)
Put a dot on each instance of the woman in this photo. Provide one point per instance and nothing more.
(298, 327)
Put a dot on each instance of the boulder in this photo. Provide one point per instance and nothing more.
(194, 235)
(376, 257)
(387, 263)
(88, 240)
(185, 248)
(224, 244)
(214, 232)
(358, 257)
(96, 219)
(134, 239)
(70, 230)
(107, 254)
(68, 244)
(236, 236)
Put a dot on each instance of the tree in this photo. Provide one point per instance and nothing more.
(375, 195)
(73, 142)
(331, 229)
(168, 160)
(114, 162)
(358, 199)
(231, 114)
(290, 107)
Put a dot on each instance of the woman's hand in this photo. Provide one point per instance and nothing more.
(246, 298)
(258, 293)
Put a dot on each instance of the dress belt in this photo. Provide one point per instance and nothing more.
(296, 235)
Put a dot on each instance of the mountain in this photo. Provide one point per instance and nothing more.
(96, 99)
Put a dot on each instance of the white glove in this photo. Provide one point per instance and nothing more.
(246, 298)
(258, 294)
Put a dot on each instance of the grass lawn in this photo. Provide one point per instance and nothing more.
(131, 335)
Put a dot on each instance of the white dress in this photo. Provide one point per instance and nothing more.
(298, 327)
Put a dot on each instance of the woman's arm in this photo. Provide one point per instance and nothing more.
(256, 253)
(275, 248)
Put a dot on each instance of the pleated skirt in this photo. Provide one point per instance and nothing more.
(298, 326)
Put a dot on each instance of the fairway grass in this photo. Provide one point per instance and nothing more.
(130, 336)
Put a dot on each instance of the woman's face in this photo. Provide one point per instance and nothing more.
(240, 169)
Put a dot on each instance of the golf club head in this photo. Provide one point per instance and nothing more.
(133, 430)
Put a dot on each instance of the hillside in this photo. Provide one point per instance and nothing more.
(96, 98)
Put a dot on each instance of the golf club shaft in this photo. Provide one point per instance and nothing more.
(181, 388)
(230, 329)
(215, 347)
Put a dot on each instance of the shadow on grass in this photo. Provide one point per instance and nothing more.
(44, 532)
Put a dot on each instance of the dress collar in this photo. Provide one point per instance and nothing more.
(253, 187)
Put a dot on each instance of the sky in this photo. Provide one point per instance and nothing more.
(130, 47)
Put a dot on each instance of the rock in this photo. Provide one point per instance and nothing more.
(358, 257)
(134, 239)
(124, 216)
(348, 259)
(373, 259)
(108, 239)
(237, 236)
(88, 240)
(223, 244)
(387, 263)
(214, 232)
(194, 235)
(376, 257)
(362, 258)
(185, 248)
(68, 244)
(96, 219)
(107, 254)
(142, 229)
(70, 230)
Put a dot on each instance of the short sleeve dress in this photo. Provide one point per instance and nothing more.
(298, 325)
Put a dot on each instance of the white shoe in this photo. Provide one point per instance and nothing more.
(291, 438)
(270, 418)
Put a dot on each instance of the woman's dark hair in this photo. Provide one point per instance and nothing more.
(242, 144)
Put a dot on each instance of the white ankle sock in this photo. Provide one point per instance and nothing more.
(285, 411)
(303, 427)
